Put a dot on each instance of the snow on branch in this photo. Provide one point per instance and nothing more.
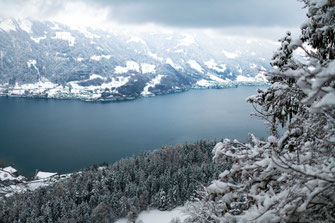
(291, 176)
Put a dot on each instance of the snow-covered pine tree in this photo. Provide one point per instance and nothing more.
(289, 177)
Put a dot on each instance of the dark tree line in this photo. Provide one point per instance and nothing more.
(161, 179)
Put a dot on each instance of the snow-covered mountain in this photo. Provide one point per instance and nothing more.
(48, 59)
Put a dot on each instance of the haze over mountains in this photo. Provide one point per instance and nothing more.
(48, 59)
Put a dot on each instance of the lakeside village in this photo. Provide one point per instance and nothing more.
(11, 182)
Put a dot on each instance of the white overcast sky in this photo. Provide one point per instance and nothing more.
(259, 18)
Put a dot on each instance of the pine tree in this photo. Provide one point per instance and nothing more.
(289, 177)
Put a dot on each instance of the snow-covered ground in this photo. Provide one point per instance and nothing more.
(156, 216)
(44, 175)
(73, 62)
(75, 90)
(152, 83)
(65, 36)
(212, 65)
(99, 57)
(194, 65)
(72, 90)
(9, 174)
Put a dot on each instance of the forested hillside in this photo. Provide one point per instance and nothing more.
(162, 179)
(289, 177)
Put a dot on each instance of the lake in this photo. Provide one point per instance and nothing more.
(66, 135)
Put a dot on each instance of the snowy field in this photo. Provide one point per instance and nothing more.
(156, 216)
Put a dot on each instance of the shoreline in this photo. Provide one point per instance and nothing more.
(133, 98)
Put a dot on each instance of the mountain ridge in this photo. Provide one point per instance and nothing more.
(51, 60)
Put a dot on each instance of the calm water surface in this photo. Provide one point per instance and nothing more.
(64, 136)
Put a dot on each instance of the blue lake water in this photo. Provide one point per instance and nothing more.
(66, 135)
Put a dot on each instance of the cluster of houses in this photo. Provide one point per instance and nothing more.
(11, 174)
(12, 182)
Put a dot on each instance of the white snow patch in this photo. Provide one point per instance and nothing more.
(25, 25)
(203, 83)
(155, 216)
(38, 39)
(4, 175)
(193, 64)
(116, 82)
(327, 100)
(148, 68)
(130, 65)
(20, 183)
(155, 56)
(212, 65)
(187, 40)
(7, 25)
(230, 55)
(136, 39)
(42, 85)
(213, 82)
(169, 61)
(120, 70)
(179, 51)
(72, 89)
(79, 59)
(32, 63)
(37, 88)
(43, 175)
(239, 69)
(95, 76)
(260, 77)
(253, 66)
(85, 32)
(10, 169)
(84, 91)
(216, 78)
(152, 83)
(241, 78)
(272, 139)
(97, 58)
(65, 36)
(55, 26)
(94, 92)
(301, 55)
